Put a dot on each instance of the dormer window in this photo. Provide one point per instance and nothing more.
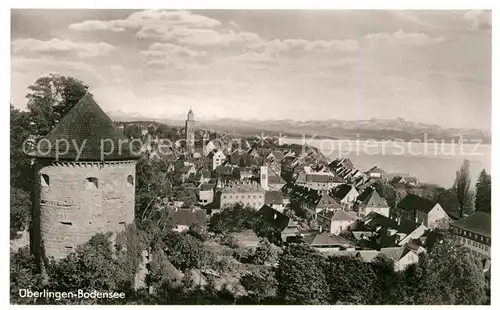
(92, 183)
(45, 180)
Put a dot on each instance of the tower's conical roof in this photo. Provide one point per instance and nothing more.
(89, 133)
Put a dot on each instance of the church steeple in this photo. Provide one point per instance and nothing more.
(190, 125)
(190, 116)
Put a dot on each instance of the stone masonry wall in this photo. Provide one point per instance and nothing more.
(78, 200)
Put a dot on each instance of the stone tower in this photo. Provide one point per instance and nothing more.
(85, 186)
(190, 123)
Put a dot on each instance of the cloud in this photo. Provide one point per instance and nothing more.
(198, 36)
(148, 18)
(169, 49)
(96, 25)
(56, 46)
(402, 38)
(479, 19)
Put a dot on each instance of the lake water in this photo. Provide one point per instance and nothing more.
(434, 163)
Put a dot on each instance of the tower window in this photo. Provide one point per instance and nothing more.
(130, 181)
(45, 180)
(67, 223)
(92, 183)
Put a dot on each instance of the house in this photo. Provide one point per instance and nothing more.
(376, 173)
(275, 166)
(318, 180)
(327, 203)
(186, 171)
(216, 158)
(226, 173)
(421, 210)
(387, 232)
(275, 156)
(406, 180)
(243, 192)
(409, 230)
(279, 221)
(341, 163)
(246, 173)
(401, 256)
(336, 221)
(209, 147)
(274, 199)
(346, 195)
(206, 194)
(275, 181)
(474, 233)
(324, 242)
(183, 218)
(373, 203)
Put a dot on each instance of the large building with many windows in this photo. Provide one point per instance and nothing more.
(245, 192)
(474, 232)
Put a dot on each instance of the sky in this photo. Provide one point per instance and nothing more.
(424, 66)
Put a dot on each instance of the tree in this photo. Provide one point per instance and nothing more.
(447, 198)
(418, 289)
(150, 186)
(265, 254)
(455, 275)
(92, 266)
(50, 98)
(462, 187)
(21, 172)
(350, 280)
(23, 275)
(198, 231)
(388, 283)
(260, 284)
(132, 131)
(300, 276)
(233, 219)
(186, 252)
(483, 192)
(20, 211)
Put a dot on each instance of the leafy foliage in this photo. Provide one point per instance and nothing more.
(23, 275)
(20, 211)
(21, 173)
(483, 192)
(265, 253)
(233, 219)
(50, 98)
(300, 275)
(350, 280)
(260, 284)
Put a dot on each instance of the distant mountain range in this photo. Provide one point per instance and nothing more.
(335, 129)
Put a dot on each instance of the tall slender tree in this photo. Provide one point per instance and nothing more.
(462, 187)
(483, 192)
